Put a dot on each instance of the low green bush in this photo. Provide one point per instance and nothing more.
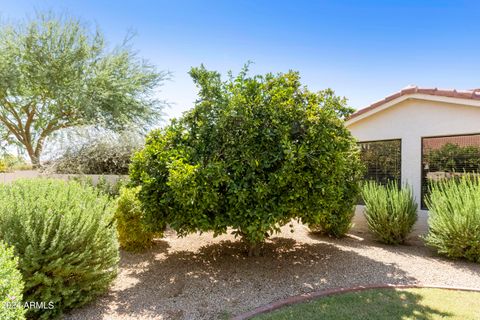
(64, 235)
(133, 235)
(454, 218)
(11, 285)
(390, 211)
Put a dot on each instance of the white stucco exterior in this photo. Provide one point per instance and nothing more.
(410, 118)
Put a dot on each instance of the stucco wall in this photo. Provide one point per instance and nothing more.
(410, 120)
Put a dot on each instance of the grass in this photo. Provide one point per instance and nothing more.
(396, 304)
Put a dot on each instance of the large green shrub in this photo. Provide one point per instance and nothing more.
(64, 235)
(454, 218)
(11, 286)
(253, 153)
(390, 211)
(133, 234)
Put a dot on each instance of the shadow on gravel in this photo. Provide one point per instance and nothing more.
(219, 280)
(408, 250)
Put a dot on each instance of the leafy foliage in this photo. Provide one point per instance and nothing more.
(335, 223)
(107, 154)
(55, 74)
(254, 153)
(454, 218)
(133, 234)
(64, 235)
(390, 212)
(11, 286)
(454, 158)
(382, 160)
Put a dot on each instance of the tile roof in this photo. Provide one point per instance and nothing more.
(463, 94)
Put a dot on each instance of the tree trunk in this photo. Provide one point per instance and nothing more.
(35, 161)
(254, 249)
(34, 156)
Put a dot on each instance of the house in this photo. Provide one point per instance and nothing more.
(418, 135)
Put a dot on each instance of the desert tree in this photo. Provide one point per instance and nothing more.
(57, 73)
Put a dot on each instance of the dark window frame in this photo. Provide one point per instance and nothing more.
(399, 140)
(423, 205)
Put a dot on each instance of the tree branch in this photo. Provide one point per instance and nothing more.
(13, 129)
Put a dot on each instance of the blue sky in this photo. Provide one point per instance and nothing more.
(364, 50)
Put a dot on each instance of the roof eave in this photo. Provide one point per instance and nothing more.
(382, 105)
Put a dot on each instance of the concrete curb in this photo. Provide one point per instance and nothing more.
(327, 292)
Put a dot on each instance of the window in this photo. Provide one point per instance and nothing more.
(447, 157)
(382, 160)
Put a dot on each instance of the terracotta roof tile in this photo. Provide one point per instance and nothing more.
(463, 94)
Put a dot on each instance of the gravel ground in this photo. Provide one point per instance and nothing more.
(201, 277)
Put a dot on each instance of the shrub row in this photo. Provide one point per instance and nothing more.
(454, 215)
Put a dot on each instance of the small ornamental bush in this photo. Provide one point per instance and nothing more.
(11, 286)
(390, 212)
(133, 235)
(253, 154)
(64, 235)
(454, 217)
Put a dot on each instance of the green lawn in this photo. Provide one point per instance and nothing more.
(382, 304)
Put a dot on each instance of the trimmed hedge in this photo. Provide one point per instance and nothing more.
(454, 218)
(390, 212)
(11, 285)
(65, 237)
